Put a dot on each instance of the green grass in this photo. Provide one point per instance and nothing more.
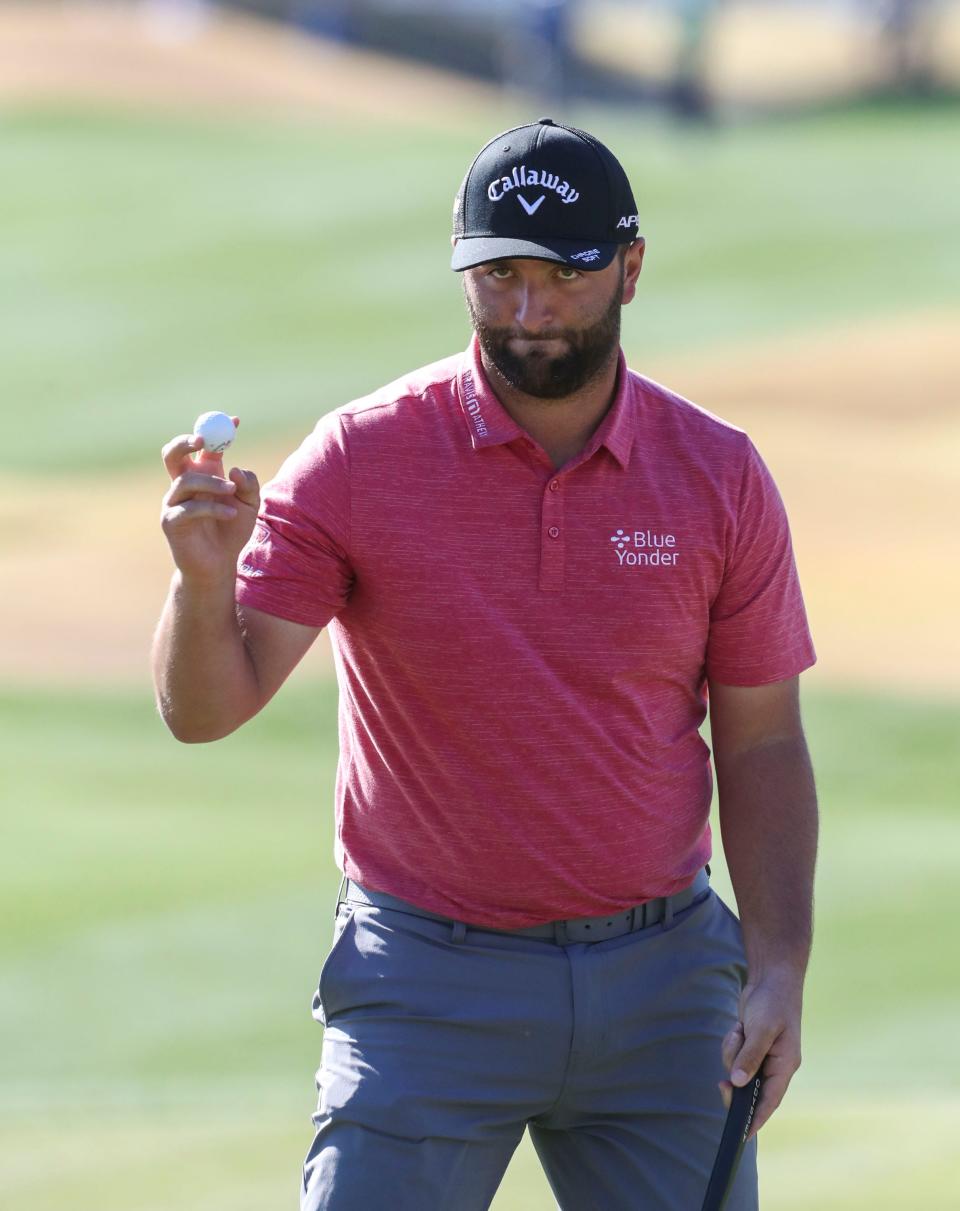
(159, 267)
(166, 909)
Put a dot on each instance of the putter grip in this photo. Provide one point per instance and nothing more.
(735, 1129)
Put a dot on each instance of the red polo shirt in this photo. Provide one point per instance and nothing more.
(522, 652)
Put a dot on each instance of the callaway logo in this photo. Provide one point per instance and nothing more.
(645, 548)
(590, 254)
(522, 177)
(630, 220)
(531, 209)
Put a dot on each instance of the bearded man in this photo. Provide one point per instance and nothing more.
(538, 568)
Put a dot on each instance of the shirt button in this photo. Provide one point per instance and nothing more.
(554, 485)
(554, 532)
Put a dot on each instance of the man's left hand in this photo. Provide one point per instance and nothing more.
(766, 1039)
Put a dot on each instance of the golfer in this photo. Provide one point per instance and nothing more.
(539, 569)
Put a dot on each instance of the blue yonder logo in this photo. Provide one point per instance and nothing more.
(645, 549)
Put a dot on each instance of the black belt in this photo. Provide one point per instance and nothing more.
(575, 929)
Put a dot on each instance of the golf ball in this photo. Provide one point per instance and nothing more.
(217, 430)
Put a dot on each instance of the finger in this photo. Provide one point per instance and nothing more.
(248, 486)
(778, 1070)
(206, 460)
(726, 1093)
(191, 483)
(177, 450)
(191, 510)
(732, 1045)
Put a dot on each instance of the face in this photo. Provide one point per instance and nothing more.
(546, 328)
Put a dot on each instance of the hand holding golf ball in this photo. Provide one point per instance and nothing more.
(207, 516)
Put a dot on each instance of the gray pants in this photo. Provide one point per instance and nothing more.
(439, 1049)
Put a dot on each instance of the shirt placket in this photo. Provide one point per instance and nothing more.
(553, 537)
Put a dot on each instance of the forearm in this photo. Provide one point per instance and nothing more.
(768, 823)
(205, 680)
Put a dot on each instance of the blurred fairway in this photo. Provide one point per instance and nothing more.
(166, 910)
(158, 267)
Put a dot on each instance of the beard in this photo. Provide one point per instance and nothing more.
(537, 373)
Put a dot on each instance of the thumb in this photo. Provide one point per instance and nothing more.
(747, 1061)
(760, 1030)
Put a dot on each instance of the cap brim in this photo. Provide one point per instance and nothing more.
(471, 251)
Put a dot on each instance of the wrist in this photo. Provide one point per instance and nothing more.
(782, 971)
(207, 582)
(779, 949)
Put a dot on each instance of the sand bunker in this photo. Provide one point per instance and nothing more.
(862, 431)
(143, 54)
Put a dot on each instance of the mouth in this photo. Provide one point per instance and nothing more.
(537, 346)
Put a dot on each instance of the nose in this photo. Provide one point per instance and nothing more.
(533, 309)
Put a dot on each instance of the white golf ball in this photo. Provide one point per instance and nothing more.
(217, 430)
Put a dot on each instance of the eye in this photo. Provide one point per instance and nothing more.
(566, 274)
(500, 273)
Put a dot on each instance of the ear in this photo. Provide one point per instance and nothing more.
(632, 264)
(453, 241)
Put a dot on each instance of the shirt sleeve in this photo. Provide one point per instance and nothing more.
(758, 624)
(297, 563)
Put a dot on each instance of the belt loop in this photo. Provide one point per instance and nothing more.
(340, 891)
(667, 912)
(458, 933)
(560, 933)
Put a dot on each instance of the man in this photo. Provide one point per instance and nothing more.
(534, 564)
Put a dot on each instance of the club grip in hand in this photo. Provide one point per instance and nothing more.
(735, 1131)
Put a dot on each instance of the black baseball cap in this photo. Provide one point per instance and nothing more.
(545, 191)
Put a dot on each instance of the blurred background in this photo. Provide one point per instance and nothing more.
(246, 207)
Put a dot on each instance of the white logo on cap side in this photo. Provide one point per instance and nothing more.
(520, 176)
(589, 254)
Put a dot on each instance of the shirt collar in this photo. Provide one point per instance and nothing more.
(489, 423)
(487, 420)
(618, 426)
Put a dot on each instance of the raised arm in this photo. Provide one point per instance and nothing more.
(768, 824)
(214, 665)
